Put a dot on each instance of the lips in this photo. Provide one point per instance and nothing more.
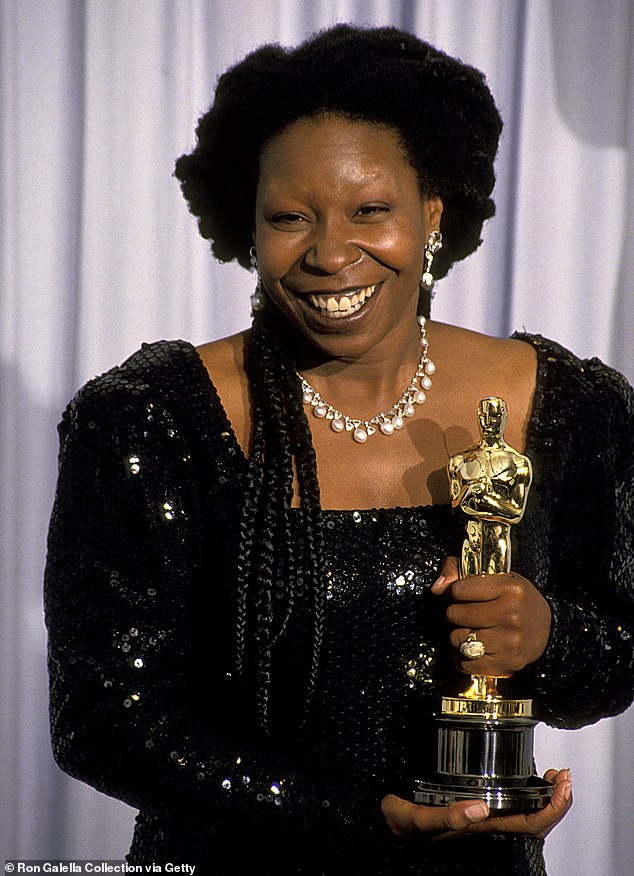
(341, 304)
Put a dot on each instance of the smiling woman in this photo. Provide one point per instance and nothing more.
(251, 618)
(339, 214)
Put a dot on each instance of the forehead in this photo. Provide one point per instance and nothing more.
(332, 147)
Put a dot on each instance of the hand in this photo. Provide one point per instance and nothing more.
(509, 615)
(406, 819)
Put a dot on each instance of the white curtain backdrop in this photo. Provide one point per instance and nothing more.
(98, 254)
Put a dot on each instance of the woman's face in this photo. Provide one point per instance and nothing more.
(340, 230)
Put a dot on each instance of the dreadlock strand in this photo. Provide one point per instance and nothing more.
(310, 499)
(248, 521)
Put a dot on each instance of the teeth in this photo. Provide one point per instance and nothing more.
(343, 305)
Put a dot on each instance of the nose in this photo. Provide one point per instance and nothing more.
(331, 248)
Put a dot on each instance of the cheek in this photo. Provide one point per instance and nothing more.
(401, 247)
(278, 253)
(403, 238)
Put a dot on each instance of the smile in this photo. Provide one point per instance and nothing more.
(342, 304)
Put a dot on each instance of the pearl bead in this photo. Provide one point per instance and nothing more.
(386, 427)
(360, 435)
(307, 398)
(420, 397)
(320, 411)
(426, 383)
(430, 367)
(398, 422)
(409, 411)
(337, 425)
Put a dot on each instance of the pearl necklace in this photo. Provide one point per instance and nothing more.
(387, 421)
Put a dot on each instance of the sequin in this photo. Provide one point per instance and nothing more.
(420, 669)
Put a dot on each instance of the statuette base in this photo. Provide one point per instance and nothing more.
(485, 758)
(501, 800)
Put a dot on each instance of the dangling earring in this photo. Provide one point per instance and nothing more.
(433, 245)
(258, 299)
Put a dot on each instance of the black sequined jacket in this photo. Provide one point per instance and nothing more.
(140, 610)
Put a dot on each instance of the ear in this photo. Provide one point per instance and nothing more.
(433, 212)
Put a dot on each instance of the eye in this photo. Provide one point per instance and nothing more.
(287, 218)
(372, 209)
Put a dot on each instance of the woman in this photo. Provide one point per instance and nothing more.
(253, 611)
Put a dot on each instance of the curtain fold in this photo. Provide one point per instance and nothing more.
(98, 254)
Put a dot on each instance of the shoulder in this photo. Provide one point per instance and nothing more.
(585, 382)
(153, 366)
(472, 366)
(486, 352)
(163, 382)
(225, 359)
(225, 363)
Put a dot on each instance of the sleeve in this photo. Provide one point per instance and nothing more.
(587, 670)
(131, 714)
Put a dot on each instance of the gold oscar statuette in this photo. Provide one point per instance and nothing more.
(485, 741)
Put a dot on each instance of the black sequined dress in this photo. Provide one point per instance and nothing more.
(140, 609)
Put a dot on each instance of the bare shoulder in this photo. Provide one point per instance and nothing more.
(466, 349)
(224, 360)
(226, 356)
(472, 366)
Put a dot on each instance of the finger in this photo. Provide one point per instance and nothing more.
(448, 574)
(561, 800)
(542, 822)
(457, 638)
(491, 663)
(485, 588)
(537, 824)
(454, 818)
(478, 615)
(405, 818)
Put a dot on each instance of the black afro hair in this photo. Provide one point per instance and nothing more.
(441, 109)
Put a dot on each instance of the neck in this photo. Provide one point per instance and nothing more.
(375, 378)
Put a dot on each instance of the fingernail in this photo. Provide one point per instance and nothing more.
(477, 811)
(567, 790)
(440, 580)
